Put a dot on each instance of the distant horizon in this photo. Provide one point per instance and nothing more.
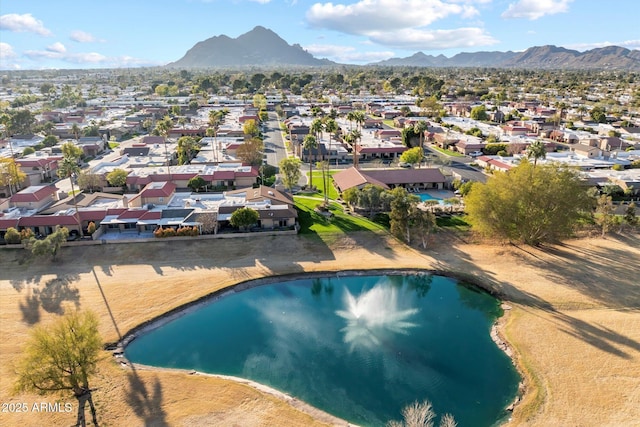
(41, 34)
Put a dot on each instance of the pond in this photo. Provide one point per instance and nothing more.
(358, 347)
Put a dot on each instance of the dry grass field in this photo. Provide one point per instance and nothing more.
(574, 322)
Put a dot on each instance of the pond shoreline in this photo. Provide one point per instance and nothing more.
(496, 329)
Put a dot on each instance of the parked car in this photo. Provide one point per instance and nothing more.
(476, 154)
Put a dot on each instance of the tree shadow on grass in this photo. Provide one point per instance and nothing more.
(608, 275)
(459, 264)
(51, 297)
(30, 309)
(147, 404)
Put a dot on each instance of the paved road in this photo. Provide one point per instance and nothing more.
(458, 165)
(273, 142)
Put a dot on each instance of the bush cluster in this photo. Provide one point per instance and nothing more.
(171, 232)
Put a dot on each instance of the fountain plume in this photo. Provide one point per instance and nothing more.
(373, 315)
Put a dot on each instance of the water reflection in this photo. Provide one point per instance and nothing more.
(374, 315)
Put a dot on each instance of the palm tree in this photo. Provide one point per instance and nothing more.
(420, 128)
(536, 151)
(355, 137)
(316, 128)
(163, 127)
(351, 117)
(324, 167)
(310, 142)
(331, 127)
(75, 130)
(582, 110)
(67, 169)
(215, 117)
(360, 118)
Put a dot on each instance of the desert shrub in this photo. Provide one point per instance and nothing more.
(26, 234)
(12, 236)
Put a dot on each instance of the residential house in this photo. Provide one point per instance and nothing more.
(515, 130)
(35, 197)
(586, 151)
(243, 119)
(46, 224)
(315, 154)
(493, 163)
(421, 179)
(152, 140)
(38, 168)
(468, 146)
(387, 134)
(91, 145)
(372, 123)
(157, 193)
(177, 133)
(382, 150)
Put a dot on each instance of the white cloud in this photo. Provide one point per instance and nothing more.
(629, 44)
(6, 51)
(42, 54)
(86, 58)
(130, 61)
(434, 39)
(403, 23)
(57, 47)
(535, 9)
(367, 16)
(58, 52)
(22, 24)
(347, 54)
(82, 37)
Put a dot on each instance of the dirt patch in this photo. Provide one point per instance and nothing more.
(573, 322)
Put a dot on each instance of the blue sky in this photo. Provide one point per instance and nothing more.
(37, 34)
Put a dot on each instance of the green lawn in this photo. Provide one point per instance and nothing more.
(317, 181)
(447, 152)
(113, 145)
(311, 222)
(390, 123)
(457, 223)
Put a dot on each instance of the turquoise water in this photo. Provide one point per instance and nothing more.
(427, 196)
(358, 347)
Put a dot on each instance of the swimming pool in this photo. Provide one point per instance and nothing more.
(427, 196)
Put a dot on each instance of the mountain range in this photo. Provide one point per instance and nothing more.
(261, 47)
(258, 47)
(538, 57)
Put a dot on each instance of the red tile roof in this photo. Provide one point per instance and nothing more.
(50, 220)
(153, 140)
(34, 194)
(39, 163)
(372, 150)
(353, 177)
(151, 215)
(158, 189)
(6, 223)
(92, 215)
(132, 213)
(499, 164)
(115, 211)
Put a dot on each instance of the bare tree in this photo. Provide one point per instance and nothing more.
(421, 414)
